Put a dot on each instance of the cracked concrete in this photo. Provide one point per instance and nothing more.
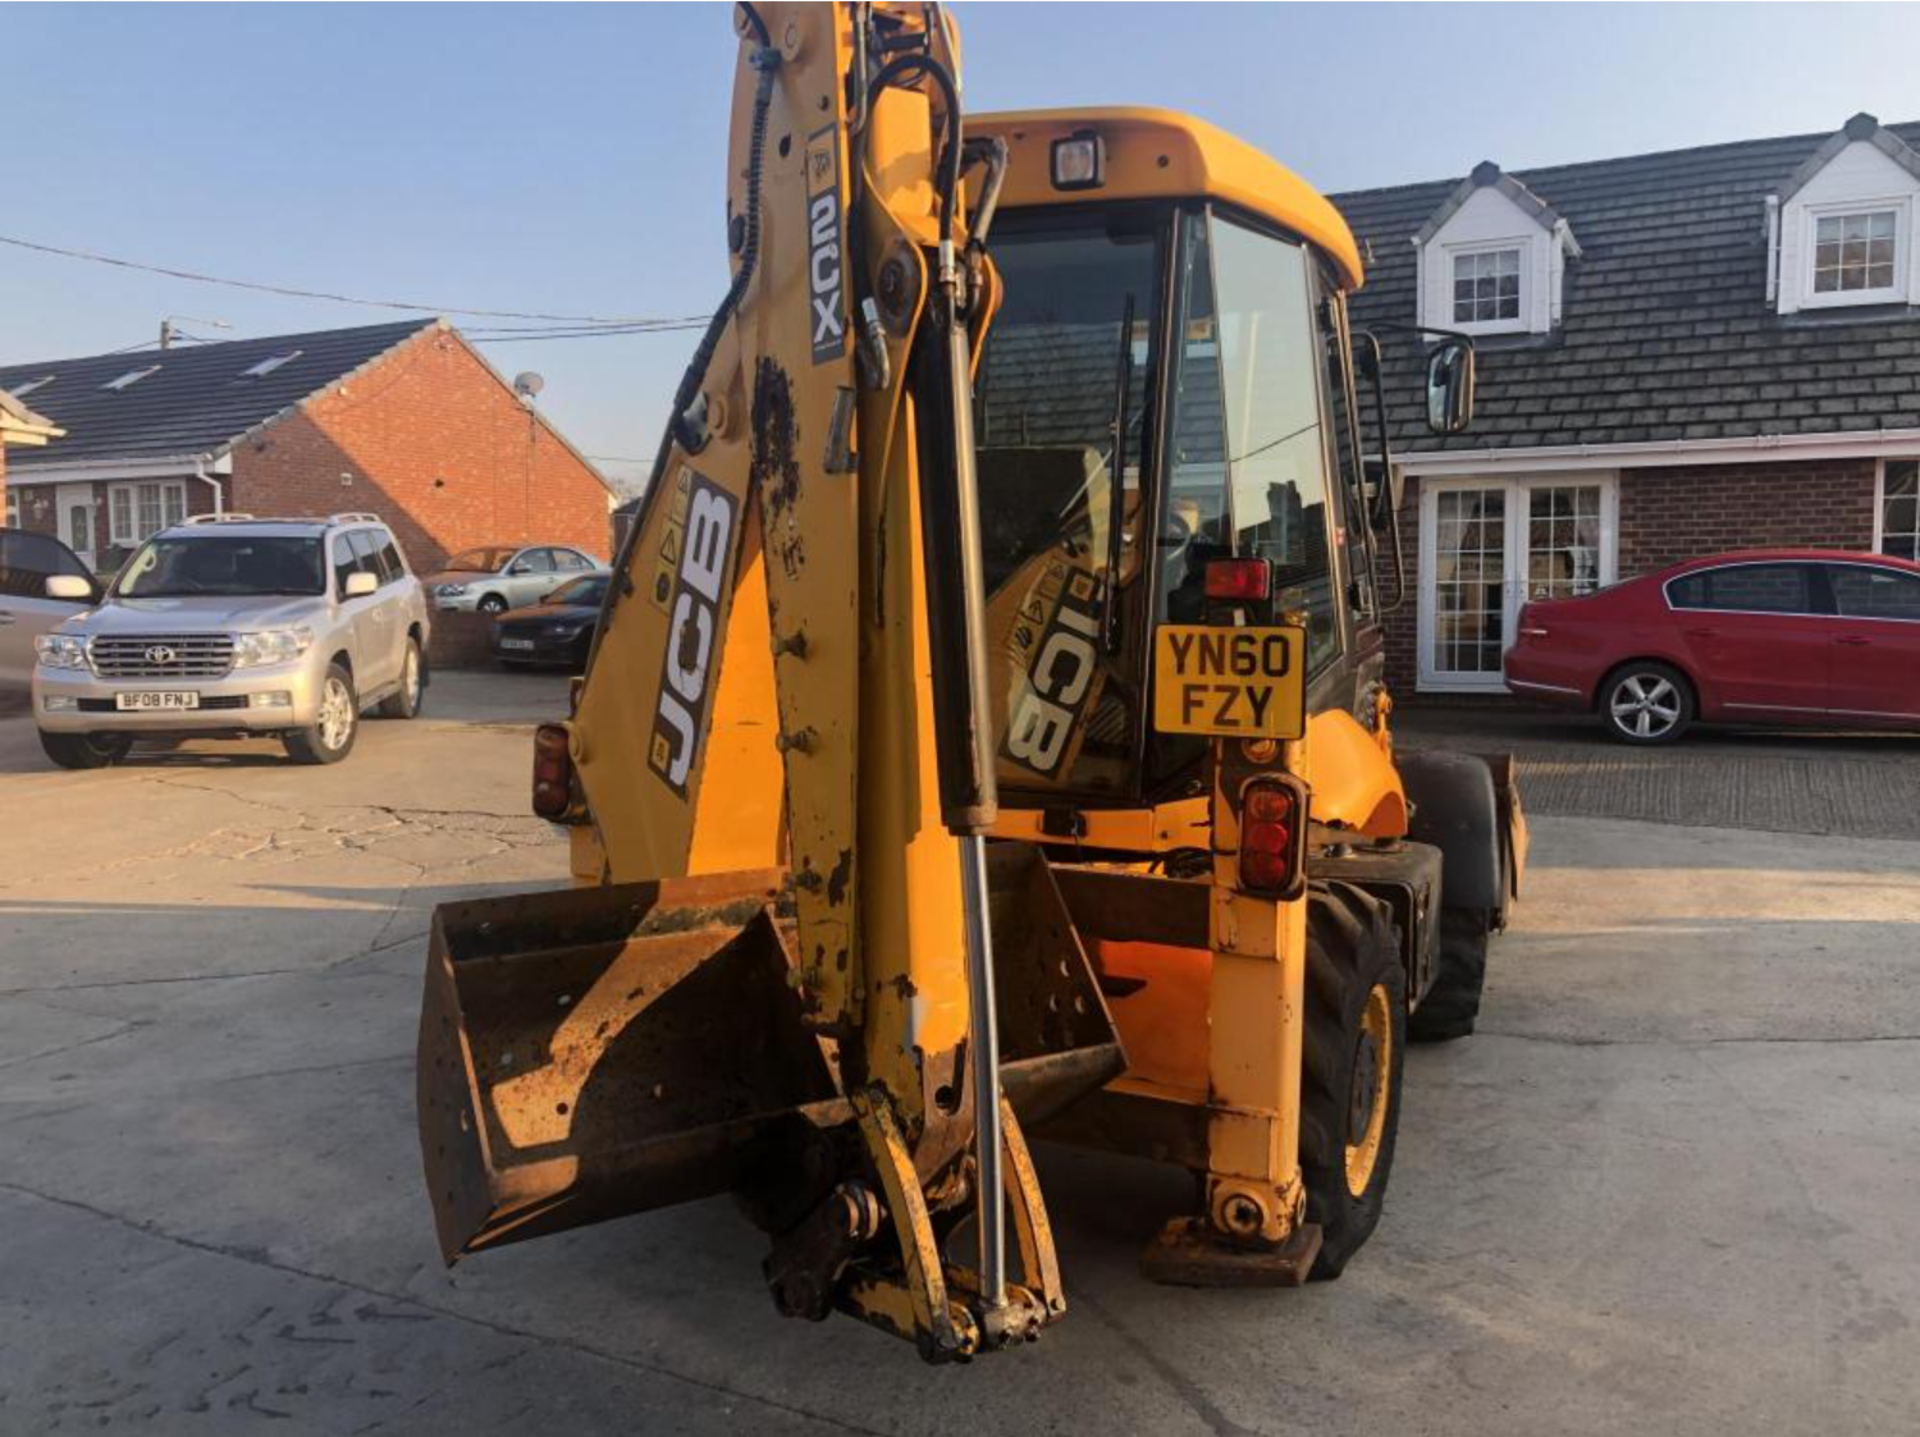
(1667, 1189)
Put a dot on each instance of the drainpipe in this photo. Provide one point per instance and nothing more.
(200, 473)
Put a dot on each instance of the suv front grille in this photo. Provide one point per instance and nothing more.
(162, 656)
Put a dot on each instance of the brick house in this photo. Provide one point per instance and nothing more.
(1679, 354)
(403, 420)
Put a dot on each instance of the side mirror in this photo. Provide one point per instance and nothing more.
(70, 586)
(1450, 386)
(359, 585)
(515, 571)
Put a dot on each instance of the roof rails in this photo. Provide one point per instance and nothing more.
(231, 517)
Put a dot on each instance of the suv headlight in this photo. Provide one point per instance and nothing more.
(61, 651)
(272, 646)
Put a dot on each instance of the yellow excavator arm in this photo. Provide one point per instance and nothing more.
(782, 750)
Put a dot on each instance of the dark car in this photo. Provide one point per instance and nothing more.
(1777, 637)
(557, 630)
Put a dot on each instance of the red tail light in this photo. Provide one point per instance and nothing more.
(1273, 824)
(1239, 579)
(552, 772)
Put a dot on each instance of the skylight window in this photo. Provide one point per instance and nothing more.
(131, 377)
(20, 391)
(271, 363)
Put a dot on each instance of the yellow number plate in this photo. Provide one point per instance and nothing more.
(1232, 683)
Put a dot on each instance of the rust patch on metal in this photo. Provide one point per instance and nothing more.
(774, 471)
(841, 876)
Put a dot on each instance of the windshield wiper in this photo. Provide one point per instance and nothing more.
(1117, 482)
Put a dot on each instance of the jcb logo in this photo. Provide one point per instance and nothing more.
(825, 269)
(694, 620)
(1059, 684)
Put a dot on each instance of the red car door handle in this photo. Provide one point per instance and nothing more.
(1853, 641)
(1703, 633)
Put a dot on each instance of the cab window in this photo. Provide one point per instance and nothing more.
(366, 555)
(1249, 470)
(1063, 424)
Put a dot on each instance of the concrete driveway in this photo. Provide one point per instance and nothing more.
(1667, 1189)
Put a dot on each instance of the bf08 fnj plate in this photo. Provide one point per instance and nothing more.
(1230, 683)
(173, 699)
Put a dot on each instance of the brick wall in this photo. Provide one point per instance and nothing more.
(437, 446)
(1671, 514)
(1677, 512)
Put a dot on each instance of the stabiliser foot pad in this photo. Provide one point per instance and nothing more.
(1188, 1253)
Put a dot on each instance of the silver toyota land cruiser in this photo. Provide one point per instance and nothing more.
(228, 625)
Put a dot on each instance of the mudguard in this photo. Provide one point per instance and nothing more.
(1456, 810)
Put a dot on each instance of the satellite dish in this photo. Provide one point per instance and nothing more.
(526, 384)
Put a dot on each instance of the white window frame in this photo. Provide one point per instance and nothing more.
(1518, 489)
(1810, 217)
(1880, 499)
(129, 535)
(1522, 246)
(13, 508)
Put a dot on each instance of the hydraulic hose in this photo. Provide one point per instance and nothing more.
(765, 59)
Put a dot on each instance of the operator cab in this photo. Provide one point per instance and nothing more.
(1169, 379)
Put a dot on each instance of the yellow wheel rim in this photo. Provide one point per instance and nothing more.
(1373, 1059)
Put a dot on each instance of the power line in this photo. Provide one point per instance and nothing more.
(606, 333)
(297, 293)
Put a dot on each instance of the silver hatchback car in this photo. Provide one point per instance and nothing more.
(496, 577)
(229, 625)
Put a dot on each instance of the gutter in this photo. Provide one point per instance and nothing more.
(1857, 444)
(158, 466)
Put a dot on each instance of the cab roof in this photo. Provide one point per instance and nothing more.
(1162, 154)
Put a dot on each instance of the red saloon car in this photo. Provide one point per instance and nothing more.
(1773, 637)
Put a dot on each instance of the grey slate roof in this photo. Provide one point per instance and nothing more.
(1666, 330)
(197, 402)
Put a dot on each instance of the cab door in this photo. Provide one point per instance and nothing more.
(1758, 637)
(1876, 644)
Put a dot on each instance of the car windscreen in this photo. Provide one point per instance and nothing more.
(481, 561)
(181, 565)
(589, 591)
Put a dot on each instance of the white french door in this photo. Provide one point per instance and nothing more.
(1489, 545)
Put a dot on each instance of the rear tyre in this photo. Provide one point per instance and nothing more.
(1452, 1004)
(406, 701)
(1646, 703)
(1356, 1028)
(331, 736)
(85, 750)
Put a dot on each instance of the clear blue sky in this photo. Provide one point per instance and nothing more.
(569, 158)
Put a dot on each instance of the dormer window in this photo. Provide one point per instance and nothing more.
(1486, 286)
(1853, 252)
(1840, 231)
(1492, 258)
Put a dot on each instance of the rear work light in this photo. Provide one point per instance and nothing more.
(1079, 162)
(1239, 579)
(552, 772)
(1273, 830)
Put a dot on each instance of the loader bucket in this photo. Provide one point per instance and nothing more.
(589, 1053)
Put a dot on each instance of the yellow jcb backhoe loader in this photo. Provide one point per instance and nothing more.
(985, 733)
